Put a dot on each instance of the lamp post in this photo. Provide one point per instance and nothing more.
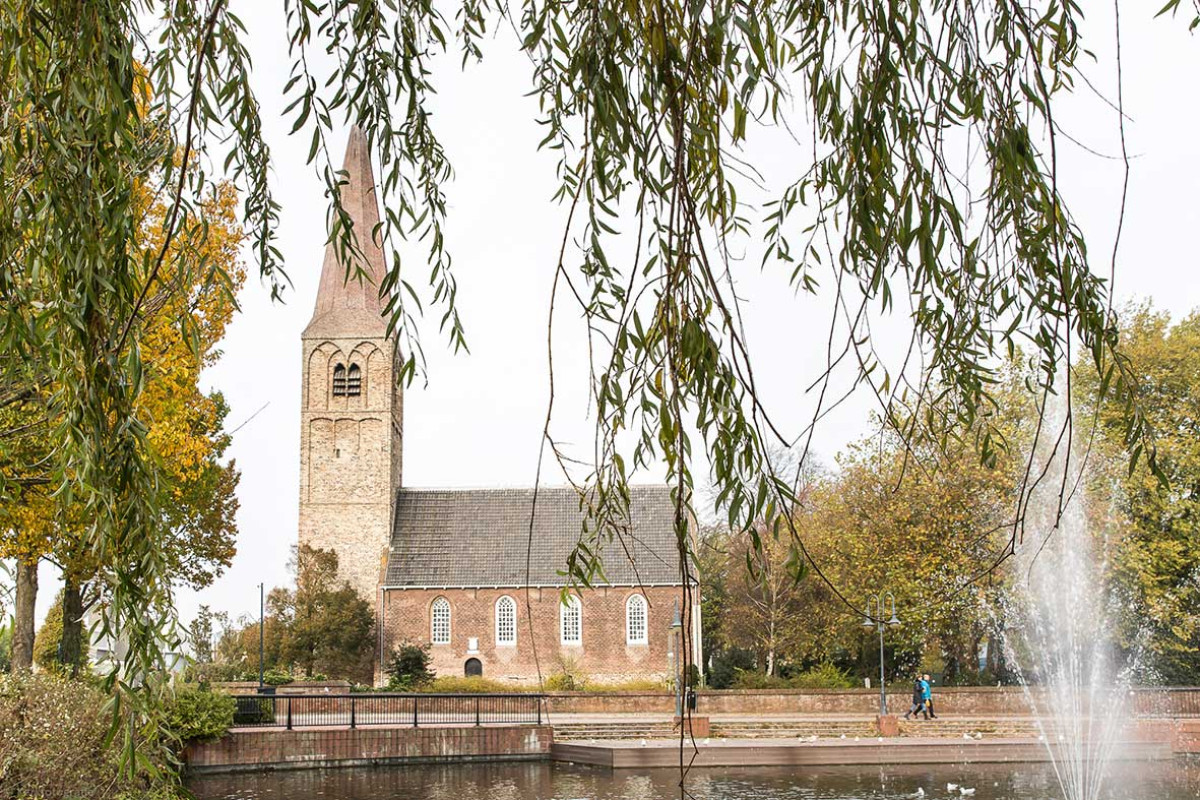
(877, 621)
(260, 637)
(676, 629)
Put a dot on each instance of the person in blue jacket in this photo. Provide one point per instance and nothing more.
(927, 695)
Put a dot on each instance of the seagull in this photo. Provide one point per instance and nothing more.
(843, 736)
(966, 736)
(966, 792)
(978, 735)
(642, 742)
(920, 792)
(950, 787)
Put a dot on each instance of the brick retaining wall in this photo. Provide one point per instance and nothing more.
(959, 700)
(295, 687)
(326, 747)
(982, 700)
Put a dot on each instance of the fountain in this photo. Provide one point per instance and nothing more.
(1059, 633)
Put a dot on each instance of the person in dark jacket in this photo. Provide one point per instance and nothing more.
(918, 700)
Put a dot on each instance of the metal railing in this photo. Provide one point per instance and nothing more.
(413, 710)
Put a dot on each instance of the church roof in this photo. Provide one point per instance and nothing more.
(478, 537)
(351, 307)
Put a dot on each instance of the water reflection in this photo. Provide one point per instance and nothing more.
(541, 781)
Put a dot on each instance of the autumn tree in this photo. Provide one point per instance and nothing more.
(763, 594)
(1155, 557)
(318, 626)
(183, 324)
(200, 636)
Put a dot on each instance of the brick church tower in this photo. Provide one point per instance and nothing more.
(351, 403)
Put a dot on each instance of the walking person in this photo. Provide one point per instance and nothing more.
(918, 700)
(927, 694)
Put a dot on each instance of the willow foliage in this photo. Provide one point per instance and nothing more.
(647, 106)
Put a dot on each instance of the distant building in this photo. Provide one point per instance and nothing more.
(448, 567)
(106, 653)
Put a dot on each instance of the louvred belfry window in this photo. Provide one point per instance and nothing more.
(353, 381)
(339, 380)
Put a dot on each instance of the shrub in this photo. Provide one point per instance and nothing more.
(192, 713)
(725, 663)
(453, 684)
(213, 672)
(5, 647)
(823, 676)
(408, 668)
(753, 679)
(52, 744)
(271, 677)
(634, 685)
(567, 677)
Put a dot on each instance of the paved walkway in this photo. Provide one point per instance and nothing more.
(557, 718)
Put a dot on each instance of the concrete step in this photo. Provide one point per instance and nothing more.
(792, 731)
(614, 730)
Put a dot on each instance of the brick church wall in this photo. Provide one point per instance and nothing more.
(604, 655)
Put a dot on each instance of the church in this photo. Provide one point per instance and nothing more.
(457, 569)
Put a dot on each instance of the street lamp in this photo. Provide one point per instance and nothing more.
(260, 638)
(877, 621)
(676, 629)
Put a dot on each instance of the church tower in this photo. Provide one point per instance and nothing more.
(351, 412)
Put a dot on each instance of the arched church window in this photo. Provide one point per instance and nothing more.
(506, 621)
(635, 620)
(440, 625)
(353, 381)
(571, 621)
(339, 380)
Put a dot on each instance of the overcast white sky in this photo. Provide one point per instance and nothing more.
(478, 421)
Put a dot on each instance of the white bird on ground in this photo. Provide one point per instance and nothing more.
(920, 792)
(642, 742)
(950, 787)
(966, 792)
(966, 736)
(843, 736)
(978, 735)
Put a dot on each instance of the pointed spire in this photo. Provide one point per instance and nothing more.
(352, 307)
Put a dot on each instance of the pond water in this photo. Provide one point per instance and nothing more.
(1164, 780)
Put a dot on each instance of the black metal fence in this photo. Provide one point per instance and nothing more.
(415, 710)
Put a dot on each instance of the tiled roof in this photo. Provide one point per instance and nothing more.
(479, 537)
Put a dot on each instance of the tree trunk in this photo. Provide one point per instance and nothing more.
(71, 648)
(23, 630)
